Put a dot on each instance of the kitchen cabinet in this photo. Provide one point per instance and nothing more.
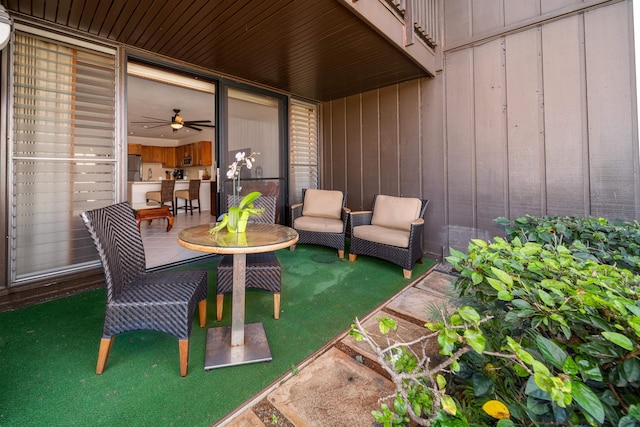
(134, 149)
(204, 150)
(151, 154)
(179, 155)
(170, 157)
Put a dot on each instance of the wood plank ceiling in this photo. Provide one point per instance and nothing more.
(316, 49)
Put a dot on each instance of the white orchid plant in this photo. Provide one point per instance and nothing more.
(246, 207)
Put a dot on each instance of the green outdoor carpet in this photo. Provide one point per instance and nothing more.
(48, 352)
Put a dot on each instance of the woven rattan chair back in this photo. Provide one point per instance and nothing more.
(166, 190)
(119, 244)
(162, 301)
(194, 189)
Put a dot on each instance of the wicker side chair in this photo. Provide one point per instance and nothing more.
(165, 195)
(189, 195)
(162, 301)
(392, 230)
(263, 270)
(321, 219)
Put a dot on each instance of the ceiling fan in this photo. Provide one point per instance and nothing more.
(177, 122)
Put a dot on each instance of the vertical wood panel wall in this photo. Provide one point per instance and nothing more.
(537, 120)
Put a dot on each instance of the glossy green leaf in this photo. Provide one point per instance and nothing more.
(505, 295)
(502, 276)
(546, 298)
(587, 400)
(551, 351)
(469, 314)
(475, 340)
(619, 339)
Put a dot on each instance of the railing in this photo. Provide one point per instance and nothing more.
(425, 15)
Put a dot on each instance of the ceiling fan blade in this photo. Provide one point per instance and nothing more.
(192, 127)
(199, 124)
(197, 121)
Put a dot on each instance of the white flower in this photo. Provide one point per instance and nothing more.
(248, 161)
(240, 156)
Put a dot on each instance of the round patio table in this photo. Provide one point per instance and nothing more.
(227, 346)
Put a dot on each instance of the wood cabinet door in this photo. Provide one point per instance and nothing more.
(134, 149)
(169, 157)
(206, 156)
(147, 154)
(179, 155)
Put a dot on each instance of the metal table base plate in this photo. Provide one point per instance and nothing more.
(219, 352)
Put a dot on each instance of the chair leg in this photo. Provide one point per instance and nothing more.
(292, 248)
(103, 354)
(184, 356)
(190, 207)
(202, 311)
(340, 254)
(406, 273)
(219, 306)
(276, 306)
(352, 257)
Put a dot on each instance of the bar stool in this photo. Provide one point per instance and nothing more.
(165, 195)
(193, 193)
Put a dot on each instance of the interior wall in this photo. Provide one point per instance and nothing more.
(538, 120)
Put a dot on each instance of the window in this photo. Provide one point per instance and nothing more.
(303, 152)
(63, 152)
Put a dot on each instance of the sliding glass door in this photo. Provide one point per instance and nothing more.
(254, 122)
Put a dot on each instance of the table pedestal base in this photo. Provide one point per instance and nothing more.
(219, 352)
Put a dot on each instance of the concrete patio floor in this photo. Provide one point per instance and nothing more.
(341, 384)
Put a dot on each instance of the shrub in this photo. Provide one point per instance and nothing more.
(547, 333)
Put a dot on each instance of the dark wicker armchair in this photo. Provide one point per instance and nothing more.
(392, 231)
(165, 195)
(263, 270)
(321, 219)
(163, 301)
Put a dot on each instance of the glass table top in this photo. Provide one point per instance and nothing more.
(257, 238)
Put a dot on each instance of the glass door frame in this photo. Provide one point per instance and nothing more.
(222, 163)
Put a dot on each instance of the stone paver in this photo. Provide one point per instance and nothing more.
(336, 390)
(333, 391)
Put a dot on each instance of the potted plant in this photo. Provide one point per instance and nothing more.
(236, 219)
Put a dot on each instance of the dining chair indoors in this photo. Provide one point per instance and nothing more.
(162, 301)
(189, 195)
(165, 195)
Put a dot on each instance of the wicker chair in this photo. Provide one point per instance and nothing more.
(163, 301)
(189, 195)
(392, 231)
(321, 219)
(165, 195)
(263, 270)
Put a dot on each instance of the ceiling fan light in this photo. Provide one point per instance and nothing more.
(176, 125)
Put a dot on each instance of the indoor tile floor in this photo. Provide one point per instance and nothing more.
(162, 247)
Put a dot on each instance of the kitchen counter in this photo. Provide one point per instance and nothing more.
(136, 191)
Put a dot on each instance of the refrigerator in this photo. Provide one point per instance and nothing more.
(134, 167)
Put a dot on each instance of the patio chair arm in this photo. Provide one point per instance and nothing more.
(360, 218)
(296, 212)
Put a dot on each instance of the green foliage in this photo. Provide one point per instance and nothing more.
(570, 313)
(548, 333)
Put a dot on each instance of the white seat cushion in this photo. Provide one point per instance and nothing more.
(378, 234)
(322, 203)
(396, 212)
(313, 223)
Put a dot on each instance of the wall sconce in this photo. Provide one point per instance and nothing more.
(5, 27)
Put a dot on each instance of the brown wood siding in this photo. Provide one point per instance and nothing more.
(611, 155)
(539, 121)
(565, 124)
(524, 124)
(354, 150)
